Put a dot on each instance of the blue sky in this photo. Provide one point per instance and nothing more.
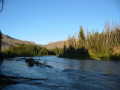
(44, 21)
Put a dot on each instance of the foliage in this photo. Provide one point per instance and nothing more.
(97, 45)
(26, 50)
(56, 51)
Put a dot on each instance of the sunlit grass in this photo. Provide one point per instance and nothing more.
(100, 45)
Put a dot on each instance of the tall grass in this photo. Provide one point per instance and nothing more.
(25, 50)
(100, 45)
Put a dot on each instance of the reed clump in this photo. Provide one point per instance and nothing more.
(98, 45)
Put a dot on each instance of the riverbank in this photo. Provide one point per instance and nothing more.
(96, 45)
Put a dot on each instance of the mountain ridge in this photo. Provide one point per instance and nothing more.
(9, 41)
(57, 44)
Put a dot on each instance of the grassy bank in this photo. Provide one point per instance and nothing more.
(25, 50)
(96, 45)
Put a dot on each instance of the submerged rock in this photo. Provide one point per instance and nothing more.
(31, 62)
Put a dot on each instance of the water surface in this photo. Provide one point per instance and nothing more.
(65, 74)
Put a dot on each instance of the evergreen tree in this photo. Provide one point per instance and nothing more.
(81, 38)
(81, 35)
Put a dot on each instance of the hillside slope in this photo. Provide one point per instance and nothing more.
(8, 41)
(58, 44)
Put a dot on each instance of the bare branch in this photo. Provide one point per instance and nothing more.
(1, 5)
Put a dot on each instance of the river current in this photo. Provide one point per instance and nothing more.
(64, 74)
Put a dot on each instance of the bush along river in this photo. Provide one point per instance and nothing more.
(54, 73)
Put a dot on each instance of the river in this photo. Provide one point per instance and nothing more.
(65, 74)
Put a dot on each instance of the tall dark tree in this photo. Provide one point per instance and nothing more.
(1, 9)
(1, 55)
(81, 35)
(0, 40)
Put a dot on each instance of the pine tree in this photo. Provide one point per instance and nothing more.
(81, 37)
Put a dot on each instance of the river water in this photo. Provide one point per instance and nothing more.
(65, 74)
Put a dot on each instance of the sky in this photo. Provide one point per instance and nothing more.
(45, 21)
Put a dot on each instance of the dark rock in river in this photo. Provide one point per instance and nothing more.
(31, 62)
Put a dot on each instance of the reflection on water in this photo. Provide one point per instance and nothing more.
(65, 75)
(84, 65)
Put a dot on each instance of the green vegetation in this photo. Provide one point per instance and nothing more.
(26, 50)
(56, 51)
(95, 45)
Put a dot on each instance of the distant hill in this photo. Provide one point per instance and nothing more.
(58, 44)
(8, 41)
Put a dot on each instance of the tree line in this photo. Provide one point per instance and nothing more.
(94, 45)
(25, 50)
